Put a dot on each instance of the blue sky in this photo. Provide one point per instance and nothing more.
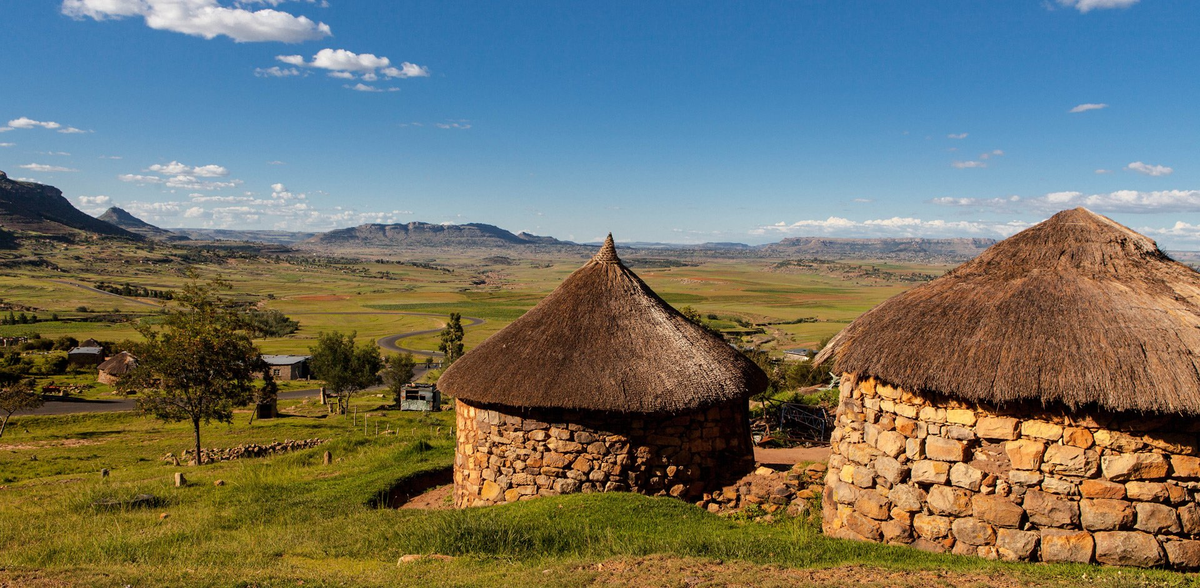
(658, 121)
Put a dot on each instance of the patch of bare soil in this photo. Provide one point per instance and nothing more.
(790, 455)
(685, 572)
(44, 444)
(435, 499)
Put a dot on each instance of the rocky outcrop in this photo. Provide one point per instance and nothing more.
(246, 450)
(119, 217)
(418, 234)
(1019, 483)
(37, 208)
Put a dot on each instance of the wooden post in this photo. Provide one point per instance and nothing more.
(328, 458)
(180, 481)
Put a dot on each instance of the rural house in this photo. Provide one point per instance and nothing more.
(1036, 403)
(115, 367)
(288, 367)
(85, 356)
(602, 386)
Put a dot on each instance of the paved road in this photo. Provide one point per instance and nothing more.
(98, 291)
(389, 342)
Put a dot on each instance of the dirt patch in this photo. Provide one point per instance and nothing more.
(676, 571)
(404, 491)
(435, 499)
(322, 297)
(45, 444)
(790, 455)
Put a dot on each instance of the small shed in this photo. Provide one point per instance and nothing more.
(798, 354)
(422, 397)
(288, 367)
(88, 356)
(602, 386)
(1039, 402)
(113, 368)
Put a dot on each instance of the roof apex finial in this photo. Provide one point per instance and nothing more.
(608, 252)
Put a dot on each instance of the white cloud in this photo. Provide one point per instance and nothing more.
(72, 131)
(991, 154)
(194, 212)
(892, 227)
(111, 157)
(1104, 171)
(968, 164)
(1126, 201)
(1149, 170)
(94, 200)
(1086, 107)
(8, 144)
(276, 72)
(204, 18)
(210, 171)
(459, 124)
(1086, 6)
(41, 167)
(361, 87)
(176, 168)
(291, 59)
(956, 136)
(139, 179)
(406, 70)
(341, 75)
(29, 123)
(863, 200)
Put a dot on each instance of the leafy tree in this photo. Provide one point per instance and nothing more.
(270, 323)
(398, 370)
(345, 368)
(66, 343)
(198, 366)
(268, 392)
(693, 315)
(16, 393)
(452, 337)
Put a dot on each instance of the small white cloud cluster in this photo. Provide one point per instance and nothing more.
(891, 227)
(29, 123)
(204, 18)
(181, 176)
(1127, 201)
(1149, 170)
(1086, 107)
(41, 167)
(348, 65)
(277, 72)
(1086, 6)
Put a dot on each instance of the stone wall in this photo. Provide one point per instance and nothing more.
(508, 454)
(1021, 482)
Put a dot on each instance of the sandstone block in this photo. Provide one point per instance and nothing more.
(873, 505)
(1176, 443)
(1104, 514)
(1048, 510)
(863, 477)
(890, 443)
(1185, 466)
(965, 476)
(1014, 545)
(959, 416)
(864, 526)
(1147, 491)
(1156, 518)
(996, 428)
(1128, 548)
(1177, 494)
(1101, 489)
(1134, 466)
(896, 532)
(1025, 477)
(942, 449)
(490, 491)
(554, 459)
(1183, 554)
(1059, 486)
(931, 527)
(906, 426)
(973, 531)
(844, 493)
(997, 510)
(1117, 441)
(914, 449)
(906, 410)
(1025, 454)
(1077, 437)
(891, 470)
(931, 414)
(1189, 518)
(1070, 461)
(907, 497)
(930, 472)
(923, 544)
(945, 500)
(1067, 546)
(1042, 430)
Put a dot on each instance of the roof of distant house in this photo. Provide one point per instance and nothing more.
(86, 351)
(285, 359)
(119, 364)
(1078, 310)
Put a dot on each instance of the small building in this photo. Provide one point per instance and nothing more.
(85, 356)
(422, 397)
(113, 368)
(602, 386)
(1037, 403)
(288, 367)
(798, 354)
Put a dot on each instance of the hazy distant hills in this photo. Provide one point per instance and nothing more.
(37, 208)
(418, 234)
(908, 249)
(268, 237)
(133, 224)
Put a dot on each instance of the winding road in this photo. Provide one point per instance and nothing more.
(99, 291)
(57, 405)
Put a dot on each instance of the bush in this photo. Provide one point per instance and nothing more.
(65, 343)
(270, 323)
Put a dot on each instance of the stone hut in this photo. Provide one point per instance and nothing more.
(115, 367)
(600, 387)
(1037, 403)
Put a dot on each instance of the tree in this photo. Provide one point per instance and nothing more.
(66, 343)
(16, 393)
(198, 366)
(268, 392)
(345, 368)
(398, 370)
(452, 336)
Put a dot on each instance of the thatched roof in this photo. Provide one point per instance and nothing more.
(118, 364)
(603, 341)
(1077, 310)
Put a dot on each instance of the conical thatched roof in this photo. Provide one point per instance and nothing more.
(119, 364)
(1078, 310)
(603, 341)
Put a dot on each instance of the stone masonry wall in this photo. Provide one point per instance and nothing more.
(508, 454)
(1017, 483)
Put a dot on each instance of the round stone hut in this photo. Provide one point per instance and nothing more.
(1036, 403)
(600, 387)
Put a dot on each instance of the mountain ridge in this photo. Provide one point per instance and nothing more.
(121, 218)
(40, 208)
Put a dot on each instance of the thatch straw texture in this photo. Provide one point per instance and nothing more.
(119, 364)
(1077, 310)
(603, 341)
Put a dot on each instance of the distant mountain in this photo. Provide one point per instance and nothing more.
(133, 224)
(907, 249)
(418, 234)
(269, 237)
(38, 208)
